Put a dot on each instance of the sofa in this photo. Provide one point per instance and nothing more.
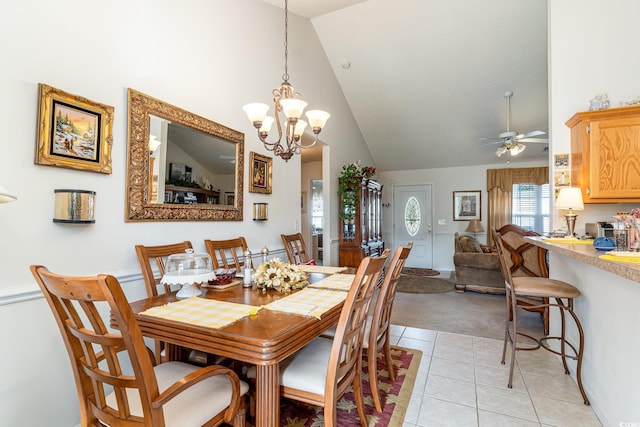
(477, 267)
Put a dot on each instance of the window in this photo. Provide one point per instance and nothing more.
(317, 214)
(531, 206)
(412, 216)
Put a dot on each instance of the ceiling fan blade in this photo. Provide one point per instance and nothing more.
(534, 133)
(535, 140)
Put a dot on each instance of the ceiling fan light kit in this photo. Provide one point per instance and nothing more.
(512, 142)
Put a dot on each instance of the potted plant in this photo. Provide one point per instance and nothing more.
(350, 178)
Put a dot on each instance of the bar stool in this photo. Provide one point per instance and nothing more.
(550, 290)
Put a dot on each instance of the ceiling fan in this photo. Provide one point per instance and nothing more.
(512, 142)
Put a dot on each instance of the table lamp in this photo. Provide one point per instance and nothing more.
(188, 269)
(570, 198)
(474, 227)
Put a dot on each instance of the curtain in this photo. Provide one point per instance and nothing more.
(499, 187)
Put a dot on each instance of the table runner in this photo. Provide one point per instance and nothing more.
(325, 269)
(616, 258)
(336, 282)
(201, 312)
(308, 302)
(567, 241)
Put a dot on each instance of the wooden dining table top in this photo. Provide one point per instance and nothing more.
(265, 338)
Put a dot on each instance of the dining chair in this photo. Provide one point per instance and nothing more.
(227, 253)
(322, 371)
(152, 259)
(168, 394)
(376, 336)
(296, 249)
(550, 293)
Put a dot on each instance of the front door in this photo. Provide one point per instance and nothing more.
(412, 222)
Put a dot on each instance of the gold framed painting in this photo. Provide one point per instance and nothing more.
(467, 205)
(73, 132)
(260, 170)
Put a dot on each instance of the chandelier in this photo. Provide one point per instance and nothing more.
(287, 102)
(511, 147)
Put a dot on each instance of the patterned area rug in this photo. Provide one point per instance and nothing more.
(413, 271)
(394, 395)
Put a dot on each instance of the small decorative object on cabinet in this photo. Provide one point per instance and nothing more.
(605, 154)
(360, 215)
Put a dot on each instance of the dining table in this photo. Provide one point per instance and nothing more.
(263, 336)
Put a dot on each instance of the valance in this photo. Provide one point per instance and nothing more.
(505, 178)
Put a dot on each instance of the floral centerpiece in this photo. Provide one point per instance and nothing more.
(279, 275)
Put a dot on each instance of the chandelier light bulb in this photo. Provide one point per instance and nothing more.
(266, 125)
(299, 129)
(292, 107)
(256, 112)
(317, 119)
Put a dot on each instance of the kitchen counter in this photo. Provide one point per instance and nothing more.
(589, 255)
(610, 317)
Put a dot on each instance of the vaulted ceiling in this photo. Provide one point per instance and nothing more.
(426, 79)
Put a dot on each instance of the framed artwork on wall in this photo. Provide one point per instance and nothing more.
(259, 173)
(467, 205)
(73, 132)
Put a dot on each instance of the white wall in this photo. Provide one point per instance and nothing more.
(200, 55)
(592, 49)
(444, 182)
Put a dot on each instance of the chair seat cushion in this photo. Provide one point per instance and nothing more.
(194, 406)
(544, 287)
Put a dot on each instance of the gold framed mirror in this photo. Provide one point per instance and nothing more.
(181, 166)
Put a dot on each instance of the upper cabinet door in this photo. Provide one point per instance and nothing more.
(605, 154)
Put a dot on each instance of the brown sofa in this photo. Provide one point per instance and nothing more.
(477, 266)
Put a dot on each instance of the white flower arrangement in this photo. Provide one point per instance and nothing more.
(279, 275)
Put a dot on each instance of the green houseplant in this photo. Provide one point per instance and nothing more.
(350, 177)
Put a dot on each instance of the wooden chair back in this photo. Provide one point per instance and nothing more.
(379, 339)
(295, 247)
(345, 362)
(96, 353)
(227, 253)
(526, 259)
(150, 256)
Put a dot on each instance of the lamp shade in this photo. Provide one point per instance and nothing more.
(570, 198)
(5, 196)
(475, 226)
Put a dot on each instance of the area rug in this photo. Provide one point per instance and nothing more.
(394, 395)
(413, 271)
(424, 285)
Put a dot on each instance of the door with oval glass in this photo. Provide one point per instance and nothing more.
(412, 221)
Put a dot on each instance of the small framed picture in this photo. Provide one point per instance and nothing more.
(467, 205)
(260, 173)
(229, 198)
(73, 132)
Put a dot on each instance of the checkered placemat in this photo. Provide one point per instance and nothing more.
(567, 241)
(615, 258)
(325, 269)
(339, 282)
(308, 302)
(201, 312)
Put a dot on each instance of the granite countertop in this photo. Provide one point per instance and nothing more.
(589, 255)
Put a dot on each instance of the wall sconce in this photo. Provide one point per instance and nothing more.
(75, 206)
(260, 211)
(5, 196)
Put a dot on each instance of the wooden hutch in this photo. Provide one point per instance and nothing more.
(361, 224)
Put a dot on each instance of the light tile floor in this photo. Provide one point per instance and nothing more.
(461, 383)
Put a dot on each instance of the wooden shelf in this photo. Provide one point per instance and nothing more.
(202, 195)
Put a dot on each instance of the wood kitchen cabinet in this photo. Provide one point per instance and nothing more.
(605, 154)
(361, 224)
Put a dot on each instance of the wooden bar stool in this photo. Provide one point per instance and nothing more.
(554, 293)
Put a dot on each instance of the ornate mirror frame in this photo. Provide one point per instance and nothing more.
(138, 208)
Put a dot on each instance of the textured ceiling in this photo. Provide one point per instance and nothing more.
(426, 79)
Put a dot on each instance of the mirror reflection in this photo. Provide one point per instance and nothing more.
(181, 166)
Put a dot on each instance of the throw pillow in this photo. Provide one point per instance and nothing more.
(469, 244)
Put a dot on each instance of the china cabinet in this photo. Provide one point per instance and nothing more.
(360, 223)
(605, 154)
